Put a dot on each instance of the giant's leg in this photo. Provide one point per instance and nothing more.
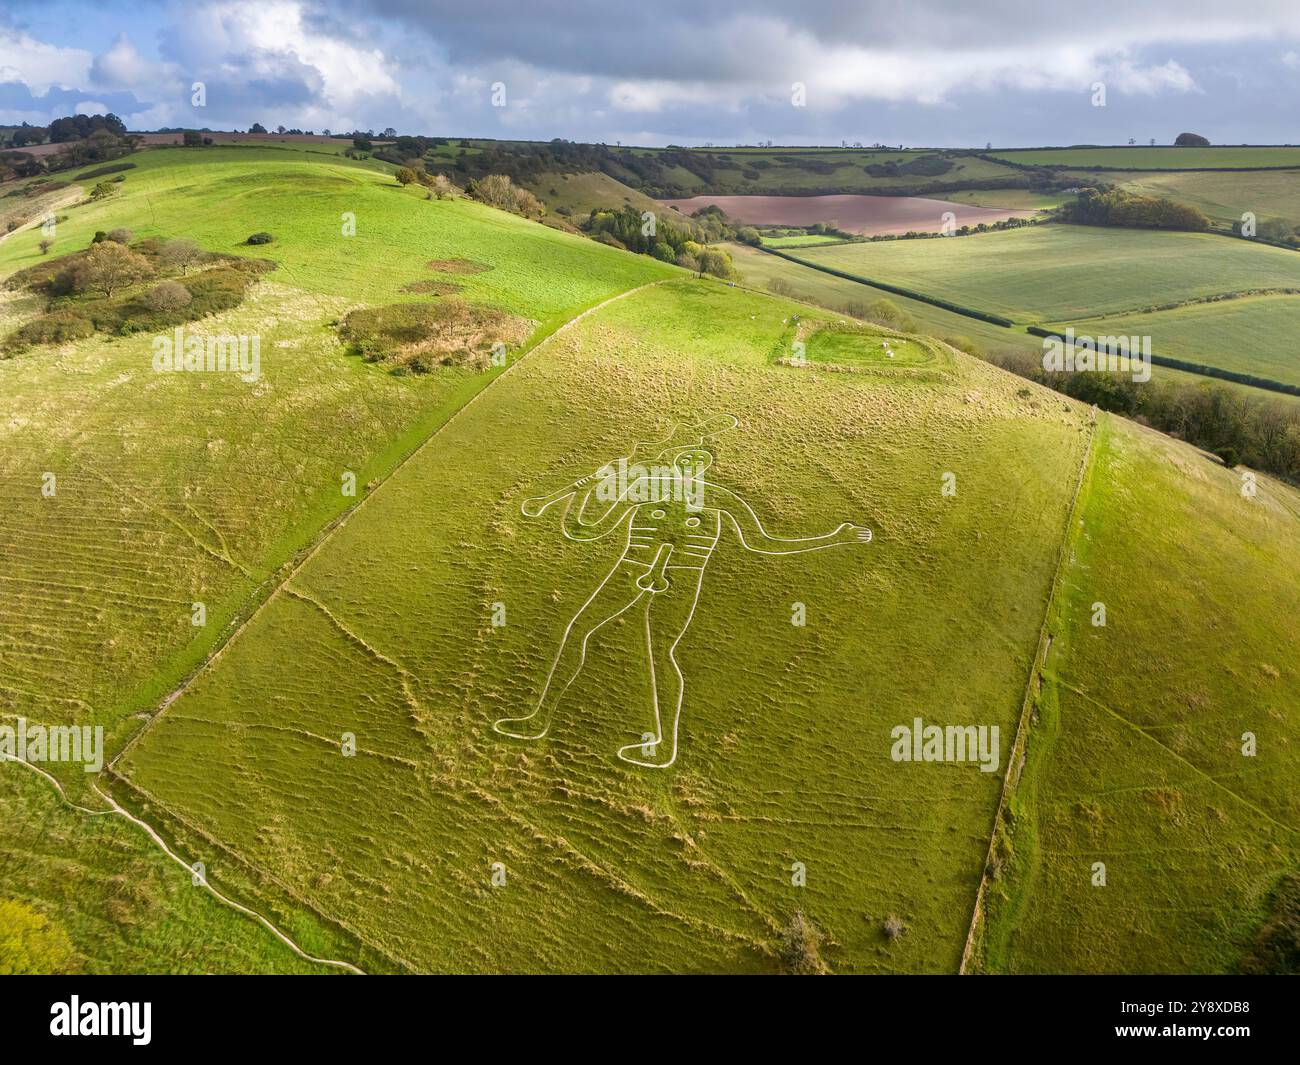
(665, 617)
(616, 594)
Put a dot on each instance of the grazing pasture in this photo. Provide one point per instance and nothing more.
(1251, 335)
(1058, 273)
(1137, 754)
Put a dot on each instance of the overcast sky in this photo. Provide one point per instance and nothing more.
(916, 72)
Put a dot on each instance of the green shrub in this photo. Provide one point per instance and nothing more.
(167, 297)
(57, 327)
(101, 171)
(1276, 950)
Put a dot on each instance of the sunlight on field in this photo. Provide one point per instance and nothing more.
(785, 761)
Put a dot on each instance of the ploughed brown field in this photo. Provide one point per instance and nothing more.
(870, 215)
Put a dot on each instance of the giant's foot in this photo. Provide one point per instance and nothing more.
(655, 755)
(522, 728)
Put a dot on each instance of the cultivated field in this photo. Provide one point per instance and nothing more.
(1250, 335)
(1058, 273)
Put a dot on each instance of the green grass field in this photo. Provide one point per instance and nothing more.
(119, 903)
(91, 413)
(1225, 197)
(1253, 335)
(1158, 158)
(1059, 273)
(580, 193)
(805, 170)
(436, 607)
(1011, 199)
(759, 270)
(688, 870)
(801, 240)
(1136, 756)
(184, 488)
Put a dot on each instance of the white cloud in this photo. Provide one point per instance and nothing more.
(41, 66)
(123, 67)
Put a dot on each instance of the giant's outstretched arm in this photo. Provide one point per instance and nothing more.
(755, 538)
(574, 520)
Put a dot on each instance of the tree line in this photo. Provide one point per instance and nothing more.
(1241, 429)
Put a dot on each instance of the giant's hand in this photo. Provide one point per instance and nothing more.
(849, 533)
(533, 506)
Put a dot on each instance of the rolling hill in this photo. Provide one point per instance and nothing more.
(325, 743)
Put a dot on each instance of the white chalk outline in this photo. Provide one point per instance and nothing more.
(536, 506)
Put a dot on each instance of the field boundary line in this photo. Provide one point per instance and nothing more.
(897, 290)
(322, 538)
(116, 808)
(1016, 754)
(340, 520)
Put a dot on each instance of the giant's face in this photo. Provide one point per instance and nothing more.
(693, 462)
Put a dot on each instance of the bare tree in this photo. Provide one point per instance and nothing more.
(107, 267)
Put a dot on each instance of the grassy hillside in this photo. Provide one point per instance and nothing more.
(580, 193)
(1011, 199)
(176, 489)
(1136, 750)
(1060, 273)
(386, 633)
(683, 172)
(116, 901)
(248, 470)
(803, 170)
(408, 619)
